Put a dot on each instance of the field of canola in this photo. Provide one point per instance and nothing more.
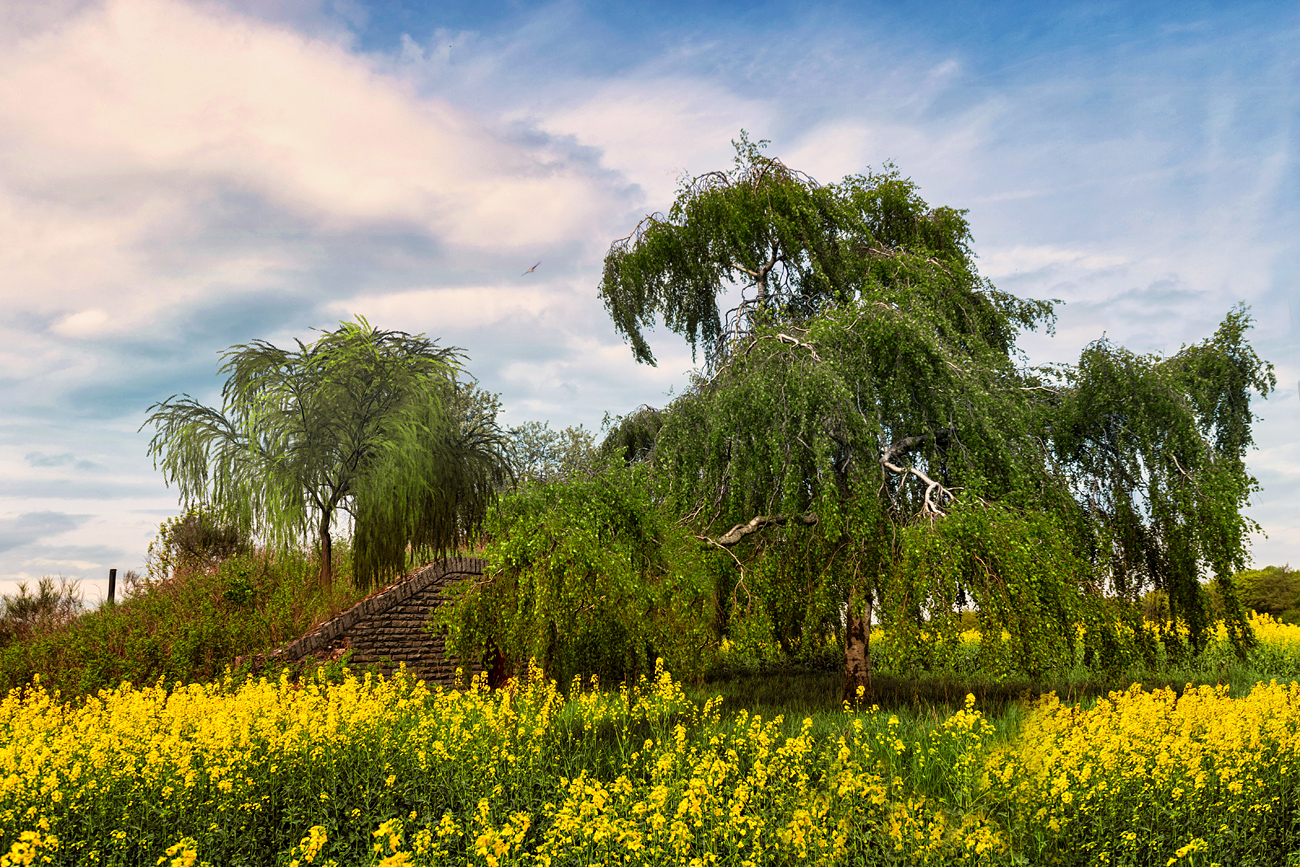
(375, 772)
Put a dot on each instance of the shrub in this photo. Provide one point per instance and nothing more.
(23, 614)
(587, 575)
(200, 538)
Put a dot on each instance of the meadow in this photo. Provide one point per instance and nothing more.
(349, 768)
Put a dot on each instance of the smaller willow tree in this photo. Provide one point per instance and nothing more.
(362, 421)
(865, 442)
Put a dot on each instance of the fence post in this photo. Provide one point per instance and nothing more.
(112, 584)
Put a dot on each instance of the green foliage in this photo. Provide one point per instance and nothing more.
(367, 421)
(1017, 569)
(631, 438)
(1273, 590)
(586, 575)
(188, 628)
(430, 485)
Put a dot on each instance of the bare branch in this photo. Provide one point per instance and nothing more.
(1186, 474)
(784, 338)
(930, 485)
(740, 531)
(902, 447)
(793, 341)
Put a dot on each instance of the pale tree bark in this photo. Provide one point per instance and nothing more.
(740, 531)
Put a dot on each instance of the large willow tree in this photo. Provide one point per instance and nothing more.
(367, 422)
(864, 441)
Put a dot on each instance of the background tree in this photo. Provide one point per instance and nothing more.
(1273, 590)
(198, 539)
(1155, 453)
(865, 430)
(540, 454)
(366, 421)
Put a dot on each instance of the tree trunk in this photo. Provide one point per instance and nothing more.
(857, 649)
(326, 562)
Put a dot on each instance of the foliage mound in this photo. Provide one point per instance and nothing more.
(185, 628)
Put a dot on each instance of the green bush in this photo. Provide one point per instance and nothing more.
(198, 539)
(587, 575)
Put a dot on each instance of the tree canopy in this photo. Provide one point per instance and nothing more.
(373, 423)
(539, 453)
(868, 443)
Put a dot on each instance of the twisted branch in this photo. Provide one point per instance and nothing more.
(740, 531)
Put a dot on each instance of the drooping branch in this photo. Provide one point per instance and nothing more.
(930, 485)
(901, 448)
(740, 531)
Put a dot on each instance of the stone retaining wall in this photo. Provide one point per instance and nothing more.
(387, 628)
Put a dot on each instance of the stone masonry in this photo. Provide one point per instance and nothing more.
(387, 627)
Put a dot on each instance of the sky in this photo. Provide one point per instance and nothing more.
(178, 177)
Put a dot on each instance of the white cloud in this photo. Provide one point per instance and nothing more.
(130, 118)
(83, 324)
(995, 263)
(655, 128)
(474, 306)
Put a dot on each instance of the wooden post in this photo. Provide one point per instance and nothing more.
(112, 584)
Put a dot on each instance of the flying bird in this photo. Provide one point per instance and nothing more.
(532, 269)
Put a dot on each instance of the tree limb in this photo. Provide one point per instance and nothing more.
(1186, 474)
(905, 445)
(930, 484)
(740, 531)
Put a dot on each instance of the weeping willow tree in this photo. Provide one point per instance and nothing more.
(1154, 450)
(370, 423)
(865, 443)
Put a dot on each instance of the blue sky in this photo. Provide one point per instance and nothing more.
(177, 177)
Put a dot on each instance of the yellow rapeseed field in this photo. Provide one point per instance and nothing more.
(375, 771)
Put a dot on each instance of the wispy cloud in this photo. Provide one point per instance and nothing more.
(29, 528)
(66, 459)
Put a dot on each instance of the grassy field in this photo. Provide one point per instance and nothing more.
(763, 766)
